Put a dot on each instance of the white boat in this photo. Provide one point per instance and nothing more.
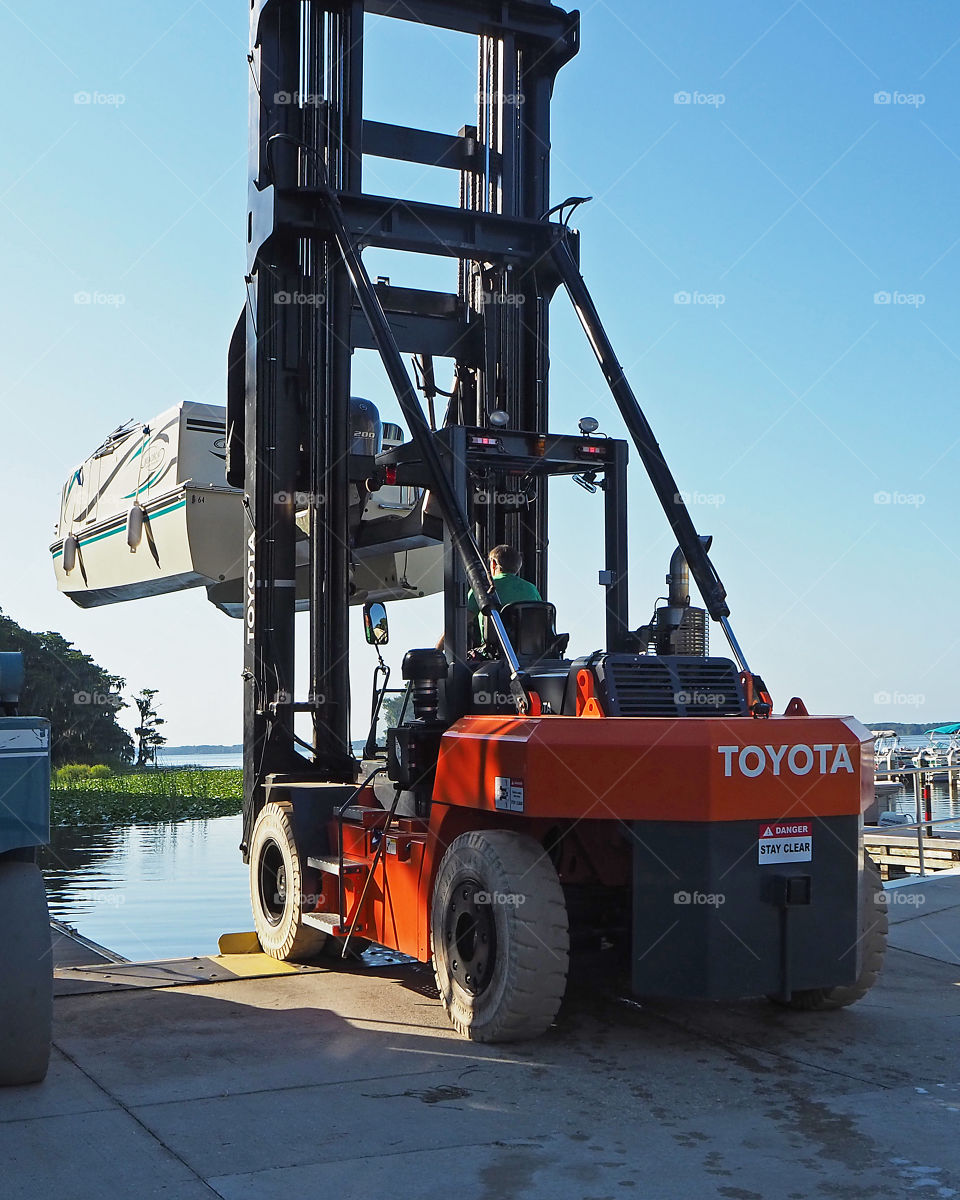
(891, 755)
(150, 512)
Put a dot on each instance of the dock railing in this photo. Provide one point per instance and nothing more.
(922, 778)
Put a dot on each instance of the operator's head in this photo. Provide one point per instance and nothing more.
(504, 560)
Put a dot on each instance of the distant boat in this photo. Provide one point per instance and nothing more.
(891, 755)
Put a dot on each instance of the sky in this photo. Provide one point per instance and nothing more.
(773, 244)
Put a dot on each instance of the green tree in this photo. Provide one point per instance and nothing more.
(390, 710)
(79, 697)
(148, 731)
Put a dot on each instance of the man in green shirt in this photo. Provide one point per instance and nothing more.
(504, 562)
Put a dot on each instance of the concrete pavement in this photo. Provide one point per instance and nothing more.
(351, 1083)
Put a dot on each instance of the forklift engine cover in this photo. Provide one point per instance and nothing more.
(743, 834)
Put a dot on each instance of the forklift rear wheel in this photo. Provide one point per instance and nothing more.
(276, 889)
(26, 963)
(499, 936)
(873, 935)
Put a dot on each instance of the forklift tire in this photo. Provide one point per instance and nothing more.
(276, 889)
(26, 975)
(499, 936)
(873, 933)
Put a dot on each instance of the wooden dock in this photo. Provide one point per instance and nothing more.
(897, 856)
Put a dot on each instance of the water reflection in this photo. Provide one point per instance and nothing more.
(150, 891)
(942, 805)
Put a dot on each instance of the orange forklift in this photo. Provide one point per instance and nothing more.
(642, 798)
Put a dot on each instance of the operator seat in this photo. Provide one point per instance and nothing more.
(531, 627)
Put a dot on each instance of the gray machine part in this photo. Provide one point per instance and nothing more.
(26, 961)
(712, 920)
(26, 974)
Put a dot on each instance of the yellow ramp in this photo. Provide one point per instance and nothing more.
(238, 943)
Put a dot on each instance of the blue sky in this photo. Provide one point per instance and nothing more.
(812, 422)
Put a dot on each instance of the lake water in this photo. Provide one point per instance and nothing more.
(941, 804)
(153, 891)
(150, 891)
(222, 760)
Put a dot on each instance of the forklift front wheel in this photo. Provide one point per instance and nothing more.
(499, 936)
(276, 889)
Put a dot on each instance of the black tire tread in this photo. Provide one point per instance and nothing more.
(291, 940)
(537, 968)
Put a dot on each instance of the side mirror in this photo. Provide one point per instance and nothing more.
(375, 624)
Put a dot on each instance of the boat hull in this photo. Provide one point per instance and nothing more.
(168, 476)
(192, 537)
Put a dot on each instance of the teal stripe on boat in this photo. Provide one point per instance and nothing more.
(146, 483)
(98, 537)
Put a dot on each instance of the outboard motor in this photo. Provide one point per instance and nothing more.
(366, 428)
(392, 435)
(366, 440)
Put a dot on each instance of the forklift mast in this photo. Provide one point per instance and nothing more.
(310, 304)
(613, 801)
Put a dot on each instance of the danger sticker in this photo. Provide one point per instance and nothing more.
(785, 841)
(508, 794)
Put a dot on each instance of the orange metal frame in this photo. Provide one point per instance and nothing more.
(612, 770)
